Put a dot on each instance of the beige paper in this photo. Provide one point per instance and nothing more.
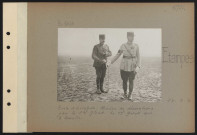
(10, 67)
(174, 113)
(15, 67)
(22, 67)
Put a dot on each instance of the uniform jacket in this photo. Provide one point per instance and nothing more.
(99, 53)
(129, 64)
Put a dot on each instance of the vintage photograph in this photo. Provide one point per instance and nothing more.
(109, 64)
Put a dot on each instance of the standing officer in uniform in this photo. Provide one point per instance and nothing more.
(130, 63)
(99, 55)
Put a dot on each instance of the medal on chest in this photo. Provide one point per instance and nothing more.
(132, 49)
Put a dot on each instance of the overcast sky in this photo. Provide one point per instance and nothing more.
(80, 41)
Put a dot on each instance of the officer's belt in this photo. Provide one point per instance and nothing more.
(129, 57)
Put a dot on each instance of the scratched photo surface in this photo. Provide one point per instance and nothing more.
(76, 79)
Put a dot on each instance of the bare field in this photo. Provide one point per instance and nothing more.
(76, 81)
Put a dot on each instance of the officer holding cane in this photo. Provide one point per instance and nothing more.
(99, 55)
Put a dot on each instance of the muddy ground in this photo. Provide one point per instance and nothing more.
(76, 81)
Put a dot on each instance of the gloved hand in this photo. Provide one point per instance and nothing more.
(103, 61)
(137, 69)
(108, 63)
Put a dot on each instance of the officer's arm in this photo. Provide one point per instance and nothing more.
(108, 53)
(94, 56)
(138, 57)
(116, 57)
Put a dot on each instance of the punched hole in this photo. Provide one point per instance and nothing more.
(8, 90)
(8, 33)
(9, 104)
(8, 47)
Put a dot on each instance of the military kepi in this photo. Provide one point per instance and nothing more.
(101, 36)
(131, 33)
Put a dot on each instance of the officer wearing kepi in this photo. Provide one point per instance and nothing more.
(99, 55)
(130, 63)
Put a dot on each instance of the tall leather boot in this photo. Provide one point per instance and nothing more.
(130, 95)
(98, 86)
(130, 90)
(101, 86)
(125, 89)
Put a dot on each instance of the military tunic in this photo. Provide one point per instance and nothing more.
(131, 57)
(99, 53)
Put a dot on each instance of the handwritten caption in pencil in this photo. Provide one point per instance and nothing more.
(79, 112)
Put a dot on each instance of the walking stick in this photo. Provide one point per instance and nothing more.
(108, 79)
